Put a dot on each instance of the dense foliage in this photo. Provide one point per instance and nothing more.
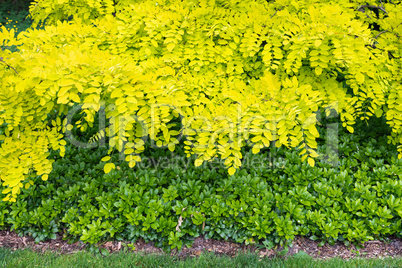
(171, 203)
(178, 92)
(217, 76)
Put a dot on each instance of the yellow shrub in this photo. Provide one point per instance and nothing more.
(234, 72)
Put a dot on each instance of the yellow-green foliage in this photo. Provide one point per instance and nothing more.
(235, 72)
(51, 11)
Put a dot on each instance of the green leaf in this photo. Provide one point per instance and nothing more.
(104, 252)
(301, 255)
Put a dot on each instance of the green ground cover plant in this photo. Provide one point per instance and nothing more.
(167, 200)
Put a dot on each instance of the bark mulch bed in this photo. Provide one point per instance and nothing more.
(371, 249)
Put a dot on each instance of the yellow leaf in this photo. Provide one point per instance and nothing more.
(117, 93)
(170, 47)
(268, 135)
(7, 190)
(74, 97)
(16, 190)
(313, 153)
(79, 87)
(63, 99)
(317, 43)
(171, 147)
(280, 124)
(128, 151)
(266, 142)
(282, 130)
(231, 171)
(378, 113)
(350, 129)
(256, 139)
(106, 158)
(360, 78)
(349, 117)
(313, 130)
(148, 51)
(66, 82)
(108, 167)
(198, 162)
(154, 43)
(311, 161)
(255, 150)
(236, 39)
(45, 177)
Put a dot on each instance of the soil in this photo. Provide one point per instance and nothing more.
(370, 249)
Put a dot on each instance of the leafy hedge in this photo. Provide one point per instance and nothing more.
(212, 76)
(166, 199)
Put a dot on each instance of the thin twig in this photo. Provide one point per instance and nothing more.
(50, 120)
(8, 65)
(375, 7)
(277, 11)
(386, 31)
(380, 34)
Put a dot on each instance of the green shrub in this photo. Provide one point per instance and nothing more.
(171, 201)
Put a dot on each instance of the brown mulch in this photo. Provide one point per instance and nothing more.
(371, 249)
